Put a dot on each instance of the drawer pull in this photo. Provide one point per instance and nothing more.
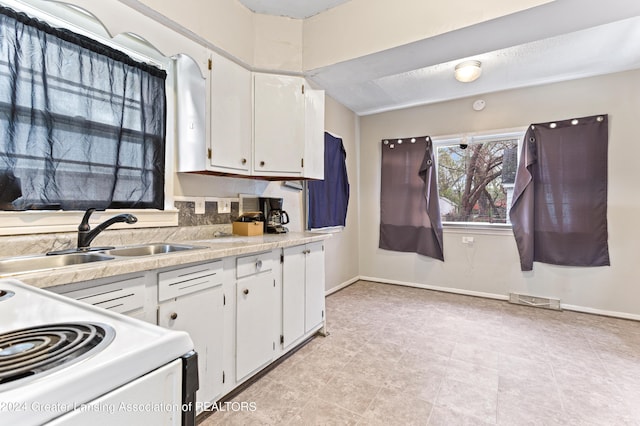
(246, 291)
(174, 316)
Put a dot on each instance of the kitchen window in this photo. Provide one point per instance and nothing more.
(83, 123)
(106, 148)
(476, 174)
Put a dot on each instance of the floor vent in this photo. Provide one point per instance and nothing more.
(536, 302)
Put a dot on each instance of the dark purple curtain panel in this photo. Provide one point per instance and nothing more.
(559, 208)
(409, 209)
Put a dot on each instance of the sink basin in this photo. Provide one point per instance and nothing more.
(150, 249)
(38, 263)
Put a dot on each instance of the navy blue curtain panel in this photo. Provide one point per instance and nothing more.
(329, 198)
(409, 208)
(559, 208)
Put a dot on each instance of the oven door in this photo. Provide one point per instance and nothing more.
(153, 399)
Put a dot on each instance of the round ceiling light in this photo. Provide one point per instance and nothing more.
(468, 71)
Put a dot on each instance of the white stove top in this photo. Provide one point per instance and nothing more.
(136, 349)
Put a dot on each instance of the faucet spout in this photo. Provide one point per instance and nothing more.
(86, 235)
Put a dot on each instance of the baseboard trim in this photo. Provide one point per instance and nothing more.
(341, 286)
(437, 288)
(593, 311)
(574, 308)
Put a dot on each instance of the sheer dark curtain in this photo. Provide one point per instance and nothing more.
(329, 198)
(559, 208)
(409, 207)
(81, 124)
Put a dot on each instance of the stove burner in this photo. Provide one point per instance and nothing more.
(4, 294)
(41, 350)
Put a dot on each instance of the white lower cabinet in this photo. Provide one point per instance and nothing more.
(194, 303)
(256, 311)
(124, 294)
(302, 291)
(314, 287)
(242, 313)
(293, 290)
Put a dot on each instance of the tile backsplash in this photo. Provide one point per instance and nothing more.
(191, 226)
(187, 215)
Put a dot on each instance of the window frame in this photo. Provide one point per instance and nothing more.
(516, 133)
(79, 21)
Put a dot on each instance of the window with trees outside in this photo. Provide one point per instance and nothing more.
(476, 176)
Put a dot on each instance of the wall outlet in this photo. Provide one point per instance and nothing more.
(467, 240)
(199, 205)
(224, 206)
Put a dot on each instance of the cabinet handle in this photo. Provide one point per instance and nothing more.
(174, 316)
(258, 264)
(243, 161)
(262, 164)
(245, 291)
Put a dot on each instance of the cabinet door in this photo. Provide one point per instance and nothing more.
(230, 125)
(314, 134)
(255, 323)
(278, 132)
(293, 294)
(191, 113)
(314, 295)
(201, 315)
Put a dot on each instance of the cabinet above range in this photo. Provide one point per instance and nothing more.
(237, 122)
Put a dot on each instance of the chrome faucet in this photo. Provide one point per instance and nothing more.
(86, 234)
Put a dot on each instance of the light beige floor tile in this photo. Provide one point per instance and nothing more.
(318, 412)
(441, 416)
(399, 355)
(468, 400)
(397, 409)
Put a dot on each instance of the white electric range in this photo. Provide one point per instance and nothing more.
(64, 362)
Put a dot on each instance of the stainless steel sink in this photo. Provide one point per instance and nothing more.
(38, 263)
(150, 249)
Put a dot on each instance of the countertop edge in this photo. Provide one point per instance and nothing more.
(216, 248)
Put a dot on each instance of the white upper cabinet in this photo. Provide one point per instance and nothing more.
(191, 124)
(314, 134)
(278, 131)
(288, 132)
(230, 123)
(214, 116)
(241, 123)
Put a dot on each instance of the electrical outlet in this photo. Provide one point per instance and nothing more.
(199, 205)
(224, 206)
(467, 240)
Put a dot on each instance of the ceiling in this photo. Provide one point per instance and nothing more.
(515, 51)
(299, 9)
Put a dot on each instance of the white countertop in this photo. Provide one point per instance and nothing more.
(216, 248)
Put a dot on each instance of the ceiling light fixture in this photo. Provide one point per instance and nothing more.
(468, 71)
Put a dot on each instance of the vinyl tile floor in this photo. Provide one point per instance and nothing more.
(404, 356)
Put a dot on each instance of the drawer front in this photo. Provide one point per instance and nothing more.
(122, 296)
(254, 264)
(182, 281)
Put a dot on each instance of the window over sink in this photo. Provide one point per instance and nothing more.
(84, 152)
(83, 123)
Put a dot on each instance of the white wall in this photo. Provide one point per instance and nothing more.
(491, 266)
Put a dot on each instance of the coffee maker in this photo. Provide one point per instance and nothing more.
(275, 217)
